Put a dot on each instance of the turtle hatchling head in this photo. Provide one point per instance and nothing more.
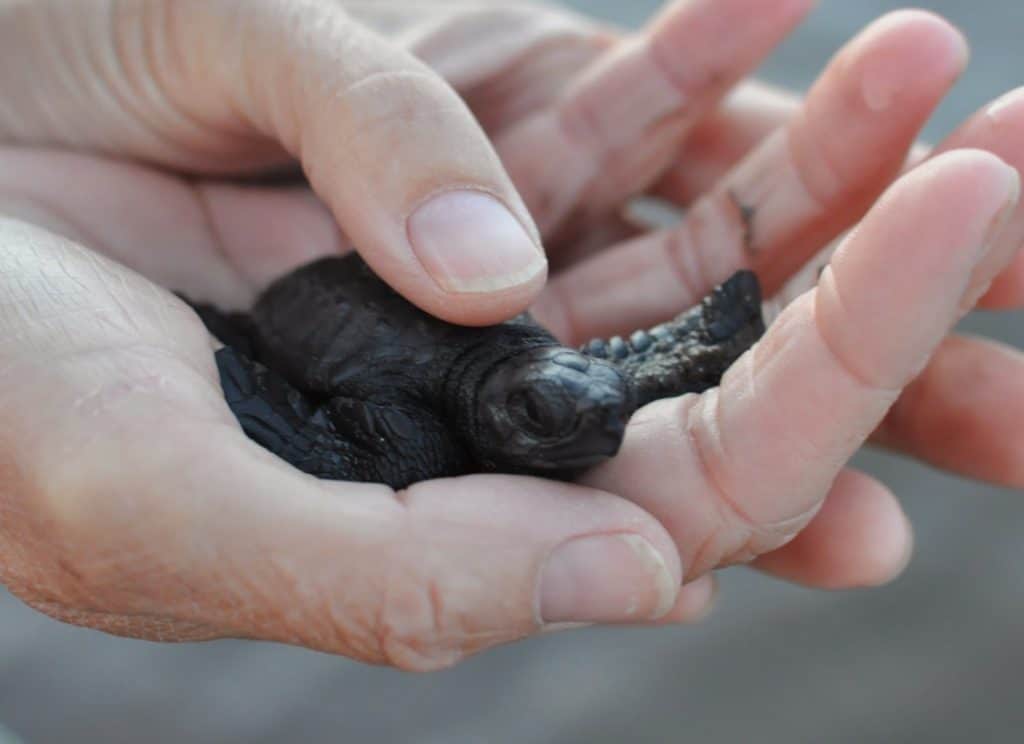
(551, 409)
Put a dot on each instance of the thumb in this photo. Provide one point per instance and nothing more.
(424, 578)
(219, 85)
(242, 546)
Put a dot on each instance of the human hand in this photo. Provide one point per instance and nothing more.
(768, 180)
(132, 501)
(482, 603)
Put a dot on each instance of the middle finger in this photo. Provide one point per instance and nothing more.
(620, 124)
(758, 454)
(788, 197)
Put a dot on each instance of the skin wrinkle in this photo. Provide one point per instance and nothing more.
(721, 213)
(389, 77)
(399, 119)
(112, 64)
(860, 379)
(703, 560)
(583, 122)
(129, 625)
(123, 391)
(759, 534)
(818, 196)
(322, 616)
(534, 56)
(202, 140)
(216, 240)
(701, 424)
(383, 631)
(174, 64)
(427, 645)
(677, 247)
(133, 60)
(117, 572)
(296, 25)
(12, 125)
(719, 223)
(688, 86)
(249, 599)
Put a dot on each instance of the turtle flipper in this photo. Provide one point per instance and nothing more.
(339, 439)
(281, 419)
(691, 353)
(400, 443)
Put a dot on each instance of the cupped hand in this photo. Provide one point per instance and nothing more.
(133, 503)
(772, 183)
(768, 180)
(768, 183)
(145, 511)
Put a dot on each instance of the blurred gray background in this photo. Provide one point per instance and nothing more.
(936, 657)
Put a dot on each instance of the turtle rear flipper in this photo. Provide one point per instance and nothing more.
(733, 308)
(340, 438)
(690, 353)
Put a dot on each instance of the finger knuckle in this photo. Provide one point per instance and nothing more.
(415, 630)
(700, 424)
(831, 317)
(821, 164)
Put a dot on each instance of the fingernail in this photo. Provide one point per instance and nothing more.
(996, 250)
(1004, 105)
(469, 242)
(1002, 217)
(606, 579)
(1000, 220)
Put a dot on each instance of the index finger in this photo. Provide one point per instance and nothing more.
(759, 453)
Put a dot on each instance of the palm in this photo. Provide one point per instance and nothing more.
(577, 163)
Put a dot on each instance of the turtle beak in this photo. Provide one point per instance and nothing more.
(604, 436)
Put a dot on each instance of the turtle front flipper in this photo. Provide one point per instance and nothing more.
(399, 442)
(340, 438)
(691, 353)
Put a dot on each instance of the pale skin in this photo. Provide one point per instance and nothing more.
(133, 503)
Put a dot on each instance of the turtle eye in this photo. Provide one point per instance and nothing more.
(542, 411)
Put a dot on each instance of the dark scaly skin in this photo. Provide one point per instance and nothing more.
(339, 375)
(687, 354)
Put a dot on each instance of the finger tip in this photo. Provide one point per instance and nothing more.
(905, 56)
(882, 551)
(962, 190)
(696, 601)
(861, 538)
(888, 564)
(928, 32)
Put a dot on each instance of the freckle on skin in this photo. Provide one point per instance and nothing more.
(747, 214)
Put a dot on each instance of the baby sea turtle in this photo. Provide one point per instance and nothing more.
(336, 373)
